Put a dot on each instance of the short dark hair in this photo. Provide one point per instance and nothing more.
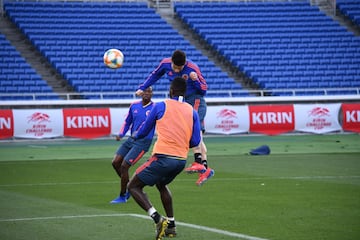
(178, 58)
(178, 86)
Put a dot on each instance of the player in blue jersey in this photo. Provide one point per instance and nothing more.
(178, 66)
(178, 129)
(130, 151)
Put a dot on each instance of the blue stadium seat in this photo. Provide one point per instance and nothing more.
(62, 30)
(17, 76)
(351, 9)
(281, 40)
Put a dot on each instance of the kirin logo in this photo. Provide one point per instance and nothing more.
(39, 117)
(227, 114)
(319, 112)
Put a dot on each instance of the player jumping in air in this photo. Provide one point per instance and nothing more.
(178, 66)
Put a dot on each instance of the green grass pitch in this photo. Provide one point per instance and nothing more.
(307, 188)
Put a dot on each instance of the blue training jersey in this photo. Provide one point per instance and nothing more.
(135, 117)
(198, 86)
(158, 112)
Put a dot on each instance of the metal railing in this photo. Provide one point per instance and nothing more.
(310, 92)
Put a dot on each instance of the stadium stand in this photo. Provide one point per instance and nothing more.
(279, 45)
(74, 35)
(351, 9)
(18, 77)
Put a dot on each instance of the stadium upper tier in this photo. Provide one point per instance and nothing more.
(73, 36)
(351, 9)
(279, 45)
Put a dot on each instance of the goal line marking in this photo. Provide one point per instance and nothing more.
(194, 226)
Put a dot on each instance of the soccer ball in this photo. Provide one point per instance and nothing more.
(113, 58)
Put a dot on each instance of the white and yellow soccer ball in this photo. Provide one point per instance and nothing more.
(113, 58)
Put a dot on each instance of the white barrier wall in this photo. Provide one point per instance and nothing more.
(265, 119)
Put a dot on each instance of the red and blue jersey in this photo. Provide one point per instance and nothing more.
(135, 117)
(197, 87)
(177, 126)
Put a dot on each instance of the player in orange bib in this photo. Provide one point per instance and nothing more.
(178, 129)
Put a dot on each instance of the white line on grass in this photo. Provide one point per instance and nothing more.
(185, 180)
(56, 183)
(203, 228)
(37, 146)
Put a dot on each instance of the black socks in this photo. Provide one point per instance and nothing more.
(156, 217)
(204, 162)
(197, 157)
(171, 224)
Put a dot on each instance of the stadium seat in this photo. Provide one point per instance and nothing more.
(15, 79)
(64, 30)
(351, 9)
(281, 40)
